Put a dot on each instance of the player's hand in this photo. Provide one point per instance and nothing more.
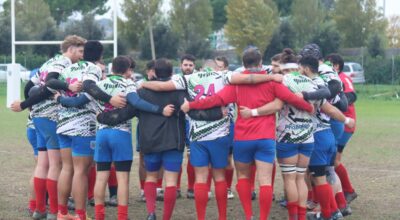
(185, 106)
(75, 87)
(16, 106)
(245, 112)
(277, 77)
(56, 95)
(118, 101)
(224, 111)
(351, 123)
(299, 94)
(168, 110)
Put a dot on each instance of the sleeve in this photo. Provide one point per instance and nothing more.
(321, 93)
(53, 82)
(284, 94)
(117, 116)
(141, 104)
(76, 101)
(351, 97)
(212, 114)
(43, 94)
(335, 87)
(92, 73)
(90, 87)
(27, 88)
(225, 96)
(179, 81)
(342, 104)
(59, 66)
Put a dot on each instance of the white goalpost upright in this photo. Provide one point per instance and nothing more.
(13, 71)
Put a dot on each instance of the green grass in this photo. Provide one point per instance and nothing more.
(372, 158)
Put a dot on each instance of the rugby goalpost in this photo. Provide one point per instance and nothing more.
(13, 72)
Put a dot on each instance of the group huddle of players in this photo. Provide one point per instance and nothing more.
(299, 112)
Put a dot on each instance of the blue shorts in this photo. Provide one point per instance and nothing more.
(337, 128)
(324, 148)
(32, 138)
(46, 134)
(81, 146)
(285, 150)
(216, 152)
(342, 142)
(171, 160)
(248, 151)
(113, 145)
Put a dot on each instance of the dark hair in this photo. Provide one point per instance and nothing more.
(188, 57)
(150, 65)
(251, 58)
(310, 62)
(288, 56)
(133, 62)
(120, 64)
(336, 59)
(223, 59)
(311, 50)
(93, 51)
(276, 57)
(163, 68)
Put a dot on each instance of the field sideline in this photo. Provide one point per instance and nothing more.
(372, 158)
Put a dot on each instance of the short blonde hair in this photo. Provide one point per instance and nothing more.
(72, 40)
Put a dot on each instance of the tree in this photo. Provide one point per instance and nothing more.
(87, 28)
(165, 40)
(357, 21)
(191, 19)
(376, 45)
(283, 7)
(307, 18)
(140, 15)
(328, 38)
(283, 38)
(393, 31)
(219, 14)
(61, 9)
(256, 28)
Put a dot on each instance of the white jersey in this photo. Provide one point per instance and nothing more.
(321, 120)
(296, 126)
(80, 121)
(327, 73)
(113, 85)
(49, 108)
(200, 85)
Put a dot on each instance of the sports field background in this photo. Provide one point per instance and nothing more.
(372, 159)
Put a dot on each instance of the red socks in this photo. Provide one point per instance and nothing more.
(53, 195)
(99, 212)
(122, 212)
(243, 188)
(322, 193)
(273, 176)
(341, 171)
(334, 206)
(32, 205)
(81, 213)
(169, 202)
(201, 199)
(340, 200)
(310, 195)
(190, 175)
(150, 193)
(292, 208)
(63, 209)
(301, 213)
(221, 191)
(142, 184)
(229, 177)
(91, 181)
(159, 182)
(209, 179)
(112, 180)
(265, 201)
(40, 192)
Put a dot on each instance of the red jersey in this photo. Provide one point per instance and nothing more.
(253, 96)
(351, 111)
